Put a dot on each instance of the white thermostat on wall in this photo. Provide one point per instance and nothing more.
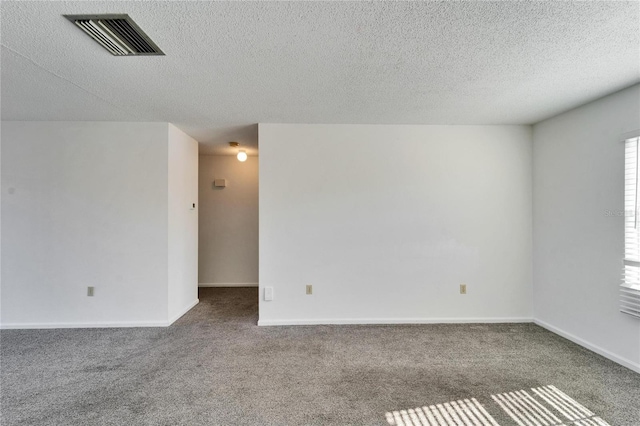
(220, 183)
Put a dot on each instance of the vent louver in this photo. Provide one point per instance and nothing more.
(116, 33)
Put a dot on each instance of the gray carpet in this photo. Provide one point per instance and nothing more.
(216, 367)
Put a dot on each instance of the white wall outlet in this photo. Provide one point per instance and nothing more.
(90, 291)
(268, 293)
(309, 289)
(463, 289)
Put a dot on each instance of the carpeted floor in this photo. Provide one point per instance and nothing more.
(216, 367)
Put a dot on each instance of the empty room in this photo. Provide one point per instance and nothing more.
(320, 213)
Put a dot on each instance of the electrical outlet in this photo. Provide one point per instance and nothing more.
(309, 289)
(463, 289)
(268, 293)
(90, 291)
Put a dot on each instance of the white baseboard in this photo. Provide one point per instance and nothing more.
(113, 324)
(227, 284)
(110, 324)
(597, 349)
(183, 311)
(383, 321)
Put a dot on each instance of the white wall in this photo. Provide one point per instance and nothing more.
(85, 204)
(578, 248)
(228, 253)
(387, 221)
(183, 222)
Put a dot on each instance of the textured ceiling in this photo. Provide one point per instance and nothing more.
(231, 65)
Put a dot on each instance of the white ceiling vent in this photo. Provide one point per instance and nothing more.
(116, 33)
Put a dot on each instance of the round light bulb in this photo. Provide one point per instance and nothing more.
(242, 155)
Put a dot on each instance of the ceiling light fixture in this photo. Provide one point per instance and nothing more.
(242, 154)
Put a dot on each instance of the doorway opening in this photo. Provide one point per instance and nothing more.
(228, 237)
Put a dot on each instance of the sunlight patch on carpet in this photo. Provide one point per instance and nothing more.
(545, 406)
(461, 412)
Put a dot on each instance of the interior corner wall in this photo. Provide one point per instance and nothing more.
(228, 231)
(183, 223)
(387, 221)
(578, 231)
(84, 204)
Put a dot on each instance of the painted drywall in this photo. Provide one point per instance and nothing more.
(387, 221)
(101, 204)
(85, 204)
(578, 245)
(183, 222)
(228, 253)
(1, 192)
